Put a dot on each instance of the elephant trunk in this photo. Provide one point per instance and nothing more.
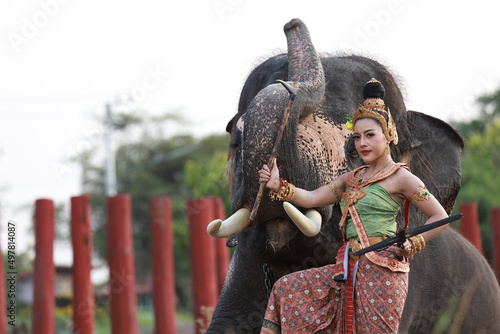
(264, 114)
(258, 125)
(304, 65)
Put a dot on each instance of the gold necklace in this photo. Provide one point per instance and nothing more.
(363, 180)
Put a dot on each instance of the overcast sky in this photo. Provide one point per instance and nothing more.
(63, 60)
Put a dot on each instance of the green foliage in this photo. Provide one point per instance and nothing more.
(480, 167)
(208, 178)
(489, 111)
(481, 162)
(150, 164)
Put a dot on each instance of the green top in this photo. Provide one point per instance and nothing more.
(377, 211)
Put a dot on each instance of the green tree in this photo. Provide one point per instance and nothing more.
(481, 176)
(150, 164)
(489, 110)
(481, 163)
(208, 178)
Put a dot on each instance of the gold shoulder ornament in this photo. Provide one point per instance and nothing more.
(421, 195)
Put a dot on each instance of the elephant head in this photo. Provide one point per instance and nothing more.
(316, 148)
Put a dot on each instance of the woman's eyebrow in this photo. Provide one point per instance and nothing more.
(356, 133)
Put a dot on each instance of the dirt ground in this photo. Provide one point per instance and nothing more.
(185, 328)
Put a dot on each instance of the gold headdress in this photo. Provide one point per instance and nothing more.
(374, 107)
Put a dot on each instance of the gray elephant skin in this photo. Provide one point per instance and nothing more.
(452, 289)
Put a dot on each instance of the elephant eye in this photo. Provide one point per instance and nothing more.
(350, 147)
(236, 143)
(352, 156)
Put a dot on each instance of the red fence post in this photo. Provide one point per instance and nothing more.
(83, 290)
(223, 256)
(121, 266)
(495, 222)
(469, 225)
(43, 320)
(203, 261)
(163, 265)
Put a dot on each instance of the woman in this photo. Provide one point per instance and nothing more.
(357, 294)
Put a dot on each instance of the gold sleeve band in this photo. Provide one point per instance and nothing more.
(421, 195)
(286, 193)
(335, 190)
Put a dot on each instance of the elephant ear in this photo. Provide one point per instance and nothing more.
(432, 150)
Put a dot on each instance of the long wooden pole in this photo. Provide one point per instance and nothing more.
(121, 266)
(495, 222)
(200, 211)
(44, 275)
(469, 225)
(223, 256)
(83, 290)
(163, 265)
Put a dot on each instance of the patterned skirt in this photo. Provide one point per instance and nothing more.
(311, 301)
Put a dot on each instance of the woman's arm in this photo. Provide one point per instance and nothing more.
(434, 211)
(413, 189)
(324, 195)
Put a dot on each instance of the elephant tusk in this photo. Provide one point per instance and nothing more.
(309, 224)
(234, 224)
(292, 90)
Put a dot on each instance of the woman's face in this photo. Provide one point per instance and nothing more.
(369, 139)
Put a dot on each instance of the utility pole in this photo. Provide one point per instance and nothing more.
(110, 170)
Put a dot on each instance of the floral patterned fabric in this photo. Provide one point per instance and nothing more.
(311, 301)
(373, 294)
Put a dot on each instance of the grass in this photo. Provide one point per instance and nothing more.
(102, 322)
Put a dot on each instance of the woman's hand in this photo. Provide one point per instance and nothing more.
(405, 250)
(270, 176)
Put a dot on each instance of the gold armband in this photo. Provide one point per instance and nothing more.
(421, 195)
(417, 244)
(335, 190)
(286, 193)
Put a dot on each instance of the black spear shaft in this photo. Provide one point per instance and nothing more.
(402, 235)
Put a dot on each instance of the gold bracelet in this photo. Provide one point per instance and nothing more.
(417, 244)
(335, 190)
(286, 193)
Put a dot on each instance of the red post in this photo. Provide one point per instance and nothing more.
(83, 290)
(469, 225)
(495, 221)
(43, 320)
(163, 266)
(121, 266)
(203, 261)
(223, 256)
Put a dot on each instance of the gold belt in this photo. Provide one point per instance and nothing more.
(355, 245)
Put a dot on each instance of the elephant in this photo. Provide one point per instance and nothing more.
(451, 286)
